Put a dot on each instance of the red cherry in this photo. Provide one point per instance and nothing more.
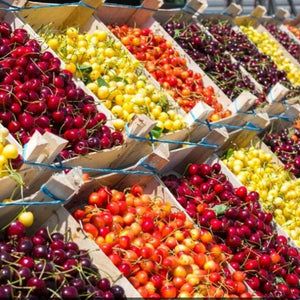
(292, 279)
(125, 269)
(148, 225)
(241, 192)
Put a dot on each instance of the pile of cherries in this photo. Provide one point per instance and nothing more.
(36, 95)
(236, 219)
(286, 146)
(170, 69)
(259, 65)
(209, 55)
(288, 43)
(46, 266)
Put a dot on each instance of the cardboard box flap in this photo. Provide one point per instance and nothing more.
(282, 13)
(62, 186)
(140, 15)
(259, 11)
(234, 9)
(243, 102)
(277, 93)
(200, 112)
(34, 150)
(196, 6)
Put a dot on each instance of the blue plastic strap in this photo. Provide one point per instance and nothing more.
(58, 157)
(190, 7)
(147, 166)
(45, 191)
(271, 95)
(248, 126)
(15, 8)
(152, 142)
(226, 13)
(285, 118)
(200, 121)
(284, 103)
(129, 6)
(62, 167)
(23, 203)
(186, 11)
(49, 194)
(168, 141)
(117, 171)
(210, 125)
(251, 112)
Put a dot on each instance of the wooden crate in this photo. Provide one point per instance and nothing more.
(245, 101)
(40, 149)
(278, 91)
(180, 158)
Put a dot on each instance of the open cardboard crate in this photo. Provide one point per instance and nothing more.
(259, 144)
(56, 218)
(92, 23)
(180, 158)
(40, 149)
(278, 91)
(143, 18)
(245, 20)
(193, 132)
(152, 185)
(117, 157)
(278, 22)
(163, 16)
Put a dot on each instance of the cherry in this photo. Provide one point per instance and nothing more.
(26, 121)
(125, 269)
(81, 147)
(38, 240)
(69, 292)
(117, 138)
(15, 230)
(147, 225)
(6, 118)
(5, 290)
(58, 256)
(25, 245)
(104, 284)
(43, 267)
(292, 279)
(5, 274)
(265, 261)
(27, 261)
(38, 284)
(40, 251)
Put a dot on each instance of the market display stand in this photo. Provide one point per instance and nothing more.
(70, 189)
